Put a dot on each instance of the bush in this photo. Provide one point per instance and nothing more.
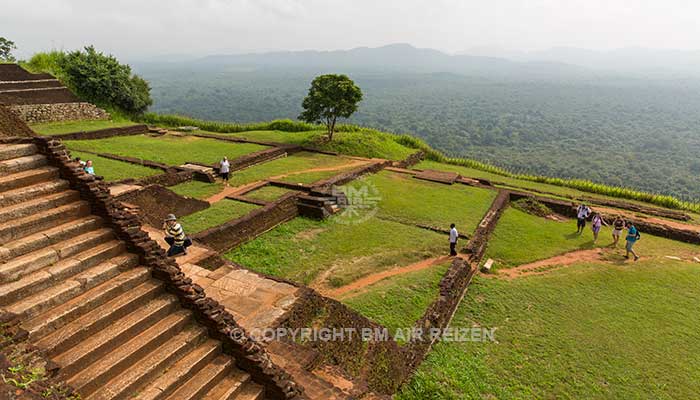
(97, 78)
(285, 125)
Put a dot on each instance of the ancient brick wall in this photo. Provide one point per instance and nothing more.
(220, 324)
(411, 160)
(151, 200)
(105, 133)
(39, 113)
(380, 363)
(11, 125)
(233, 233)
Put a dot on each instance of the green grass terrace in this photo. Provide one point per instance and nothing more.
(169, 149)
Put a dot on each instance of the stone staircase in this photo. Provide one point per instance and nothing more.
(89, 306)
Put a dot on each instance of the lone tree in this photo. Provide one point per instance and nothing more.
(6, 47)
(330, 96)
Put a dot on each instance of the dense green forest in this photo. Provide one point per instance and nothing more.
(610, 129)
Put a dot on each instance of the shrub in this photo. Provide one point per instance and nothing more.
(96, 78)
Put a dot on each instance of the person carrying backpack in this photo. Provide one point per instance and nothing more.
(582, 212)
(175, 236)
(632, 237)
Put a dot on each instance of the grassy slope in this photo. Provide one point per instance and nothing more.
(56, 128)
(302, 249)
(399, 301)
(171, 150)
(587, 331)
(407, 199)
(113, 170)
(363, 144)
(217, 214)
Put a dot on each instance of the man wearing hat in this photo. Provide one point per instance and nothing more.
(175, 236)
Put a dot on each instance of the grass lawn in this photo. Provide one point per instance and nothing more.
(587, 331)
(113, 170)
(171, 150)
(362, 144)
(399, 301)
(220, 212)
(303, 249)
(197, 189)
(407, 199)
(315, 176)
(521, 238)
(267, 193)
(295, 163)
(56, 128)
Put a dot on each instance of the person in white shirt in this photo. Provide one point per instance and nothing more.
(224, 167)
(582, 212)
(454, 235)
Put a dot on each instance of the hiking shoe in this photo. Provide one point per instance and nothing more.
(636, 258)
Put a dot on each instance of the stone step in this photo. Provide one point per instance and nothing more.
(36, 241)
(30, 284)
(26, 178)
(62, 291)
(117, 297)
(205, 379)
(113, 336)
(76, 323)
(60, 255)
(182, 371)
(24, 163)
(11, 151)
(251, 391)
(19, 228)
(128, 384)
(27, 193)
(230, 387)
(37, 205)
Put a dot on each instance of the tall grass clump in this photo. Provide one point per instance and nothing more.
(285, 125)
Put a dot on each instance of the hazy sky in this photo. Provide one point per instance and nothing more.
(132, 29)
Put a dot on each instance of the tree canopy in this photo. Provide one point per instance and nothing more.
(6, 47)
(97, 78)
(331, 96)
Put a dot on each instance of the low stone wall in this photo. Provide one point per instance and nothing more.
(233, 233)
(411, 160)
(342, 179)
(169, 178)
(255, 158)
(156, 202)
(250, 356)
(39, 113)
(105, 133)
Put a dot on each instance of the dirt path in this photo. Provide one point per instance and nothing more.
(235, 190)
(651, 219)
(534, 268)
(374, 278)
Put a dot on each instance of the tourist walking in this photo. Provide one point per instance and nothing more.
(175, 236)
(224, 168)
(618, 226)
(454, 235)
(582, 212)
(632, 238)
(597, 222)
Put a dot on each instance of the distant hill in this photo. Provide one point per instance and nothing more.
(394, 57)
(658, 62)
